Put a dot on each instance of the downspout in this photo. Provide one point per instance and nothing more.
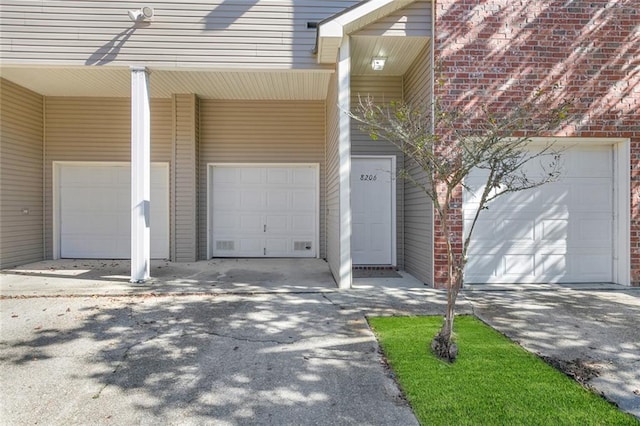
(174, 147)
(432, 57)
(44, 179)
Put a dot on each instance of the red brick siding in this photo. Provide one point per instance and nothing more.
(497, 51)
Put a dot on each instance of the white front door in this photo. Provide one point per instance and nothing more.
(264, 211)
(373, 210)
(94, 210)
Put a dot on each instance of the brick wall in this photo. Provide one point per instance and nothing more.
(497, 51)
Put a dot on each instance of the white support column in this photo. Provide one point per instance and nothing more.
(140, 175)
(344, 148)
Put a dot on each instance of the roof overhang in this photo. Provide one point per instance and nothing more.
(331, 31)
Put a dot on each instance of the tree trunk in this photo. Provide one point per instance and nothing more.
(443, 345)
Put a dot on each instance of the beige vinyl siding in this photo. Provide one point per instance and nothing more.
(333, 178)
(412, 21)
(418, 209)
(265, 34)
(260, 132)
(20, 175)
(96, 129)
(383, 90)
(185, 193)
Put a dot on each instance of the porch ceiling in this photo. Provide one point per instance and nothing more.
(399, 51)
(115, 82)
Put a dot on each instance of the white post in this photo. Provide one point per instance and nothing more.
(140, 175)
(344, 149)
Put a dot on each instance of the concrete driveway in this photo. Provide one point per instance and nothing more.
(254, 353)
(591, 333)
(93, 349)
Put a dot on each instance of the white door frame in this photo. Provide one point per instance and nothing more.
(55, 199)
(394, 183)
(211, 166)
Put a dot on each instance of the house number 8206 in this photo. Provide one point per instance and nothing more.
(368, 177)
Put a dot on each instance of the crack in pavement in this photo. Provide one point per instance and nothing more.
(125, 354)
(251, 340)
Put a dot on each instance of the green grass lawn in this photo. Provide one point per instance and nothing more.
(493, 381)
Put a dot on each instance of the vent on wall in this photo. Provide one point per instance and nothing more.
(301, 245)
(225, 245)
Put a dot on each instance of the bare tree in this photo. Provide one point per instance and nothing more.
(495, 143)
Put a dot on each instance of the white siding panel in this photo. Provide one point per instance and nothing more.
(259, 132)
(333, 179)
(412, 21)
(96, 129)
(418, 209)
(20, 175)
(218, 33)
(185, 194)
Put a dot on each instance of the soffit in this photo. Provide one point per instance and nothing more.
(331, 30)
(115, 82)
(399, 51)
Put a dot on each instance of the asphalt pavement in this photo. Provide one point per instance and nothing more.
(206, 353)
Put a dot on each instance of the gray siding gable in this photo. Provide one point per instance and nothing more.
(222, 34)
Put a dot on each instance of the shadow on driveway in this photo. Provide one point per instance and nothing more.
(590, 328)
(306, 358)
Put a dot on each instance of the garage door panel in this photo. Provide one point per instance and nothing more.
(518, 229)
(277, 176)
(303, 223)
(250, 246)
(593, 196)
(75, 246)
(251, 176)
(553, 265)
(588, 158)
(483, 265)
(560, 232)
(227, 200)
(277, 199)
(594, 230)
(592, 264)
(277, 209)
(86, 224)
(484, 229)
(304, 177)
(250, 199)
(250, 223)
(94, 211)
(518, 266)
(555, 194)
(302, 201)
(277, 247)
(554, 230)
(278, 224)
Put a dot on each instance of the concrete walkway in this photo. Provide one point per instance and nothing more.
(245, 342)
(86, 277)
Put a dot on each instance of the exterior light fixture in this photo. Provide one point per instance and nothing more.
(141, 14)
(377, 64)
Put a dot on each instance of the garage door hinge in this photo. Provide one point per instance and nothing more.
(264, 251)
(264, 228)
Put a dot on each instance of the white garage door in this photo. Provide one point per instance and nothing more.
(559, 232)
(95, 211)
(264, 211)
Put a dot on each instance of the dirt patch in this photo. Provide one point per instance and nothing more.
(248, 276)
(578, 369)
